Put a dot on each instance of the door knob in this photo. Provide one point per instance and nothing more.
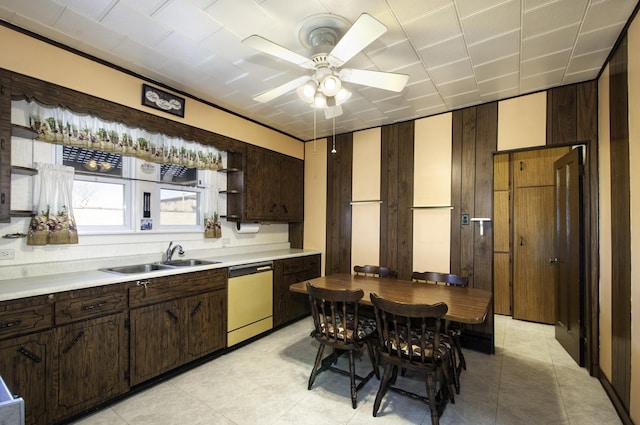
(553, 260)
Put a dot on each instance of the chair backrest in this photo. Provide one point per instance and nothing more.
(375, 271)
(437, 278)
(408, 332)
(335, 315)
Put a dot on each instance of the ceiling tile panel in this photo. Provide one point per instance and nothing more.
(548, 17)
(464, 85)
(554, 41)
(135, 25)
(467, 8)
(504, 18)
(433, 28)
(255, 19)
(542, 64)
(587, 62)
(146, 7)
(448, 51)
(451, 72)
(94, 9)
(394, 57)
(500, 84)
(606, 13)
(538, 82)
(498, 68)
(46, 14)
(601, 39)
(408, 10)
(86, 30)
(187, 19)
(490, 50)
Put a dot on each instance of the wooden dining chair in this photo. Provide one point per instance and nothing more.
(338, 325)
(452, 329)
(410, 338)
(375, 271)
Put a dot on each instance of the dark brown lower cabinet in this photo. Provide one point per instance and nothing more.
(288, 306)
(90, 364)
(25, 366)
(176, 329)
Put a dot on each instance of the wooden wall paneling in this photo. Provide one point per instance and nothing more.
(406, 140)
(562, 115)
(620, 222)
(588, 130)
(502, 283)
(456, 191)
(467, 199)
(386, 134)
(501, 235)
(339, 166)
(389, 208)
(5, 146)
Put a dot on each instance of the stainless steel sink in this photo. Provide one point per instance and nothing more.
(138, 268)
(188, 263)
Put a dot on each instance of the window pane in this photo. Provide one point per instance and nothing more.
(98, 204)
(178, 207)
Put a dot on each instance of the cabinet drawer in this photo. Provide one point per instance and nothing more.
(22, 320)
(89, 303)
(312, 264)
(293, 265)
(159, 289)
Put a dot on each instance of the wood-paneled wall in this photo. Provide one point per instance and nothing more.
(620, 223)
(475, 139)
(339, 179)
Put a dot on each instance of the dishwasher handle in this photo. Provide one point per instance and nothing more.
(245, 269)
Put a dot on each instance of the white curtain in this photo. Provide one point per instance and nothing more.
(53, 221)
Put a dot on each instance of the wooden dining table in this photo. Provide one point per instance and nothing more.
(466, 305)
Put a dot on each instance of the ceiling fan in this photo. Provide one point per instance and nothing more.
(322, 87)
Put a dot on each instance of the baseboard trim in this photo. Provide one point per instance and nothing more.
(623, 413)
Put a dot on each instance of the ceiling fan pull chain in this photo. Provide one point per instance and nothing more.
(333, 151)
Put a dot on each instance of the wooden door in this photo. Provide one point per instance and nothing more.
(90, 364)
(569, 255)
(534, 286)
(156, 344)
(206, 327)
(25, 366)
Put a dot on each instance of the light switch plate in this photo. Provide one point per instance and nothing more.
(7, 254)
(464, 219)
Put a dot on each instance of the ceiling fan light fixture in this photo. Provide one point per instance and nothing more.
(307, 91)
(320, 101)
(342, 96)
(330, 85)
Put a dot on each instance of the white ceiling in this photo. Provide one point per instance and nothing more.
(457, 53)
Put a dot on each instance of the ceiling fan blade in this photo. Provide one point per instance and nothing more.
(382, 80)
(280, 90)
(271, 48)
(363, 32)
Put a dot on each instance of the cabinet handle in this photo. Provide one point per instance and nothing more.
(1, 144)
(29, 354)
(196, 308)
(92, 306)
(4, 325)
(173, 316)
(521, 165)
(144, 283)
(2, 198)
(284, 207)
(72, 343)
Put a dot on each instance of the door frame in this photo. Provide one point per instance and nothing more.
(591, 266)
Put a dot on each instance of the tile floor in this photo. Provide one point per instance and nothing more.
(530, 380)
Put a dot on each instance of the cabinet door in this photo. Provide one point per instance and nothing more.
(90, 364)
(155, 340)
(261, 184)
(291, 202)
(206, 329)
(25, 365)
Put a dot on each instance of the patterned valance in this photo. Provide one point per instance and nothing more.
(61, 126)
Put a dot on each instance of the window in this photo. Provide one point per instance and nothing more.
(179, 206)
(100, 203)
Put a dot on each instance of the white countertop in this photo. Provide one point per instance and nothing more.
(48, 284)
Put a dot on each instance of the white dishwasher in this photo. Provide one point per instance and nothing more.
(250, 301)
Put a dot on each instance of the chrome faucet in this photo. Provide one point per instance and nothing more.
(170, 250)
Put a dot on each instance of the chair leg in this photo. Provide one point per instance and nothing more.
(461, 360)
(454, 371)
(374, 358)
(448, 369)
(352, 378)
(384, 386)
(316, 366)
(431, 394)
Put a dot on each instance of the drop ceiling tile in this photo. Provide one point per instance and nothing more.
(389, 59)
(582, 75)
(601, 39)
(408, 10)
(495, 48)
(590, 61)
(553, 41)
(500, 67)
(433, 28)
(244, 18)
(548, 17)
(543, 64)
(416, 72)
(542, 81)
(464, 85)
(142, 56)
(46, 13)
(88, 32)
(451, 72)
(92, 9)
(467, 8)
(606, 13)
(351, 10)
(493, 22)
(418, 90)
(429, 101)
(178, 47)
(187, 19)
(500, 84)
(395, 32)
(462, 100)
(448, 51)
(135, 25)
